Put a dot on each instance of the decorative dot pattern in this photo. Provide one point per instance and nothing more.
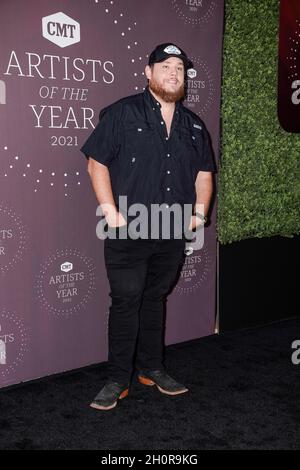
(293, 59)
(127, 31)
(38, 179)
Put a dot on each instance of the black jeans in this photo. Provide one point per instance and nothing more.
(141, 273)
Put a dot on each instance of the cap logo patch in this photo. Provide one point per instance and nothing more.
(172, 50)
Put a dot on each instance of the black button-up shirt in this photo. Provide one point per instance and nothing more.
(144, 163)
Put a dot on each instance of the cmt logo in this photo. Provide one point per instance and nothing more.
(66, 267)
(61, 29)
(192, 73)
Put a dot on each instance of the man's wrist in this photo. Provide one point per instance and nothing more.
(110, 212)
(201, 216)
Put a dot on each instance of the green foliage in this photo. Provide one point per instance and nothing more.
(259, 177)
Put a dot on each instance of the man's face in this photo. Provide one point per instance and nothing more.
(166, 79)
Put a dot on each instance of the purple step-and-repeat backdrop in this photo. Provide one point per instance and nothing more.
(60, 63)
(288, 66)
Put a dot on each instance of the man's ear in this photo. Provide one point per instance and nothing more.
(148, 72)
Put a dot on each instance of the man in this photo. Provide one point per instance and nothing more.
(153, 150)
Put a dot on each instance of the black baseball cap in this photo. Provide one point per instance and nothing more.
(163, 51)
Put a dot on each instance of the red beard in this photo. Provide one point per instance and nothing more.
(167, 96)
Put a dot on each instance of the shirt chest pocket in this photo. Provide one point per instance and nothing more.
(139, 141)
(191, 141)
(138, 148)
(191, 149)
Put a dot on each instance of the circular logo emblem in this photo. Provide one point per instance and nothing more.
(12, 239)
(200, 88)
(194, 12)
(13, 343)
(66, 282)
(192, 73)
(194, 271)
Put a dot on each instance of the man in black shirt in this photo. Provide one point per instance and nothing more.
(151, 149)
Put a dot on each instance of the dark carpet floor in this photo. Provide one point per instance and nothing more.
(244, 394)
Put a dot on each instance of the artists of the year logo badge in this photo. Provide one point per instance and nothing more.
(194, 12)
(194, 271)
(66, 282)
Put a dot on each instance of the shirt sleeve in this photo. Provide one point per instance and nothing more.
(206, 157)
(102, 144)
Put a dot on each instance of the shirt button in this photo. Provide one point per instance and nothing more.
(168, 189)
(168, 171)
(153, 109)
(162, 122)
(168, 155)
(167, 138)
